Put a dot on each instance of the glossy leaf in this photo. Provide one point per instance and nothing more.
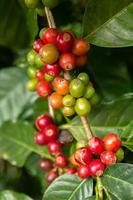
(69, 187)
(109, 23)
(10, 195)
(118, 181)
(13, 94)
(110, 117)
(17, 143)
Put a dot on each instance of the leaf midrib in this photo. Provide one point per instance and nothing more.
(118, 179)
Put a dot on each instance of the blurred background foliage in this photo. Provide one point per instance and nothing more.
(111, 69)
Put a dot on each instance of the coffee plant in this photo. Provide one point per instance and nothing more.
(66, 101)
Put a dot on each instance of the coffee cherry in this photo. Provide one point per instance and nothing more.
(67, 61)
(49, 54)
(51, 132)
(38, 44)
(89, 92)
(68, 100)
(54, 147)
(51, 176)
(40, 139)
(31, 71)
(80, 47)
(39, 74)
(77, 88)
(49, 36)
(38, 62)
(108, 158)
(94, 99)
(60, 161)
(31, 85)
(51, 3)
(64, 41)
(32, 3)
(81, 61)
(68, 111)
(65, 137)
(31, 57)
(43, 121)
(55, 100)
(73, 160)
(83, 156)
(83, 171)
(53, 69)
(84, 78)
(42, 31)
(82, 106)
(112, 142)
(44, 89)
(70, 170)
(61, 85)
(96, 145)
(48, 77)
(96, 168)
(120, 154)
(45, 164)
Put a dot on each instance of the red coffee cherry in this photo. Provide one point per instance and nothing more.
(43, 121)
(54, 147)
(49, 35)
(70, 170)
(40, 139)
(61, 85)
(60, 161)
(51, 176)
(45, 164)
(80, 47)
(96, 168)
(81, 61)
(51, 132)
(83, 171)
(112, 142)
(53, 69)
(83, 156)
(108, 157)
(64, 41)
(67, 61)
(44, 89)
(39, 74)
(38, 44)
(96, 145)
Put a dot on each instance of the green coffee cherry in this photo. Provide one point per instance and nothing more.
(77, 88)
(84, 77)
(48, 77)
(68, 100)
(31, 57)
(51, 3)
(32, 3)
(68, 111)
(89, 92)
(38, 62)
(82, 106)
(31, 71)
(120, 155)
(32, 84)
(95, 99)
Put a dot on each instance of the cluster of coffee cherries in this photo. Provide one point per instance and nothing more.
(49, 135)
(93, 158)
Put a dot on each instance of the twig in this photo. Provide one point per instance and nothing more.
(86, 126)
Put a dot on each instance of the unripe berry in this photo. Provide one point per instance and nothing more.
(43, 121)
(82, 106)
(120, 155)
(108, 158)
(84, 78)
(51, 3)
(96, 145)
(77, 88)
(31, 57)
(96, 168)
(61, 85)
(68, 111)
(83, 171)
(31, 85)
(32, 3)
(55, 100)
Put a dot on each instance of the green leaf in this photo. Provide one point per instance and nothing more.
(13, 94)
(69, 187)
(10, 195)
(109, 23)
(118, 181)
(17, 143)
(115, 116)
